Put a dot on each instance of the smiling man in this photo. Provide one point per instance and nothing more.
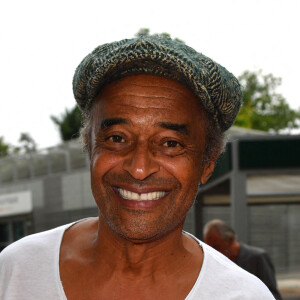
(155, 113)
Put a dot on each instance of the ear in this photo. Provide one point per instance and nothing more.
(207, 171)
(231, 240)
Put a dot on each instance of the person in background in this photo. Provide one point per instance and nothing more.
(219, 235)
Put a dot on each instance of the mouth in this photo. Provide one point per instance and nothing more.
(128, 195)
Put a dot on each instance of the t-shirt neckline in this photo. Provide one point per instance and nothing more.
(57, 256)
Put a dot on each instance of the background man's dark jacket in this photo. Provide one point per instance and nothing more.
(257, 261)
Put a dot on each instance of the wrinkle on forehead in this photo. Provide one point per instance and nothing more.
(176, 87)
(148, 98)
(152, 103)
(146, 95)
(140, 103)
(146, 85)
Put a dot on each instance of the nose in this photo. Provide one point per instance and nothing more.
(140, 163)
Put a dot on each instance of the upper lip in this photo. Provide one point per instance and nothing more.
(142, 190)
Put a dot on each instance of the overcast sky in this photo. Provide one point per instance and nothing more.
(42, 42)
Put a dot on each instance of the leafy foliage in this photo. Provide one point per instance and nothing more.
(27, 144)
(146, 31)
(263, 108)
(143, 31)
(69, 123)
(4, 148)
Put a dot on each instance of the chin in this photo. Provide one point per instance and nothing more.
(144, 232)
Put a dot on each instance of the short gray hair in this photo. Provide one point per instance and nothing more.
(225, 231)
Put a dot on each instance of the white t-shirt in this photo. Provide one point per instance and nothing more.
(29, 270)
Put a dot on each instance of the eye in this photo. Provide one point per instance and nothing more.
(115, 139)
(171, 144)
(172, 148)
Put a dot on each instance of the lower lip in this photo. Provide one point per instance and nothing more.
(140, 205)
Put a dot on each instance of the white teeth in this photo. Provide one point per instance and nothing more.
(144, 196)
(141, 197)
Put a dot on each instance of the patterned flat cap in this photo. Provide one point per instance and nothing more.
(216, 88)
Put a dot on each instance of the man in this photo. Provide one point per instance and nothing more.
(221, 236)
(155, 113)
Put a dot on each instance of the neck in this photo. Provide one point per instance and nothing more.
(121, 266)
(136, 256)
(235, 250)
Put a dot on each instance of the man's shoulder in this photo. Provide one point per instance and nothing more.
(32, 245)
(29, 268)
(216, 260)
(249, 253)
(220, 277)
(252, 249)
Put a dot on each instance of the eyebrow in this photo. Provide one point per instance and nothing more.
(107, 123)
(181, 128)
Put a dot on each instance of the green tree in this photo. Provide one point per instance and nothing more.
(4, 148)
(146, 31)
(69, 123)
(27, 144)
(143, 31)
(263, 108)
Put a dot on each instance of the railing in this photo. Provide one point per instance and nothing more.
(63, 158)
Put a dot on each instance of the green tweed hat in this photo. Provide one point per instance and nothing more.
(217, 89)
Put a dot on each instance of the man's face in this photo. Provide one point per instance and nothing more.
(147, 144)
(214, 239)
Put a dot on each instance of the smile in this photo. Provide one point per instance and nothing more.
(128, 195)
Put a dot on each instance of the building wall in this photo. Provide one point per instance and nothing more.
(56, 198)
(35, 185)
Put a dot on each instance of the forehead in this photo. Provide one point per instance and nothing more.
(147, 95)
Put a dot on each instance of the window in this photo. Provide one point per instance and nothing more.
(11, 230)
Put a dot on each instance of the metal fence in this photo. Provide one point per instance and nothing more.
(63, 158)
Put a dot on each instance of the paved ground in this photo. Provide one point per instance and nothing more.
(289, 285)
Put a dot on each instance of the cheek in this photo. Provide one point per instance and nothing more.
(102, 162)
(187, 175)
(187, 170)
